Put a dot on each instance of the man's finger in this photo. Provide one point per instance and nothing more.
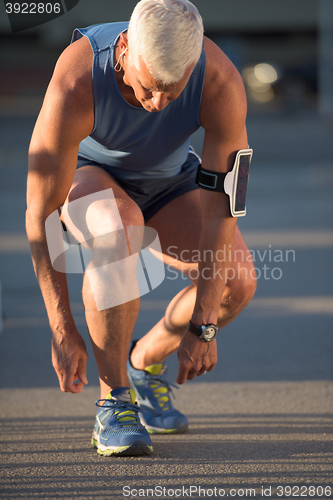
(192, 374)
(68, 383)
(186, 373)
(182, 374)
(60, 376)
(82, 371)
(77, 387)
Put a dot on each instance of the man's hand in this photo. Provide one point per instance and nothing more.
(195, 357)
(69, 359)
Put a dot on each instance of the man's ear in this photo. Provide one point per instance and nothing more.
(123, 41)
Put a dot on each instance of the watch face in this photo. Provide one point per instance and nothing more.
(209, 333)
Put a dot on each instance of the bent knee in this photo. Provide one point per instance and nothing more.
(248, 289)
(117, 231)
(243, 286)
(107, 216)
(92, 217)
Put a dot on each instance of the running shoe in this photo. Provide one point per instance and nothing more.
(118, 430)
(153, 396)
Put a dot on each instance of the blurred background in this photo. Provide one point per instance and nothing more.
(263, 415)
(284, 52)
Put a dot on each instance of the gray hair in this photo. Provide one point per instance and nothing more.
(168, 35)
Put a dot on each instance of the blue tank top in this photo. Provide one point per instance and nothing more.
(134, 141)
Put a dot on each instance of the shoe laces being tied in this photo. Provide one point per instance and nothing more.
(160, 385)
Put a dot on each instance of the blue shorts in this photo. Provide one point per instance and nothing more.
(151, 194)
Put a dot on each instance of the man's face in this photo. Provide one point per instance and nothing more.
(152, 94)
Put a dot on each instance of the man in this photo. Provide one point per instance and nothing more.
(121, 106)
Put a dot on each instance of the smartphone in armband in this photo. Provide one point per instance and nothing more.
(233, 183)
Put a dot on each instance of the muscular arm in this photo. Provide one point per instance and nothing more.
(223, 114)
(66, 117)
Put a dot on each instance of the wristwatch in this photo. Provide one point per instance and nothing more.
(206, 333)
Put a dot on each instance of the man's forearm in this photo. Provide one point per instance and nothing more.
(216, 251)
(53, 284)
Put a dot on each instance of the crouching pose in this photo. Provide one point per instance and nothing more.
(110, 157)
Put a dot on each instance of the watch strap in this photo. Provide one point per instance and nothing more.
(197, 330)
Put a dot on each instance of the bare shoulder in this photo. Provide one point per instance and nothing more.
(66, 117)
(67, 114)
(73, 72)
(223, 96)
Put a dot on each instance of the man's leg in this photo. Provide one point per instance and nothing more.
(178, 224)
(100, 218)
(111, 328)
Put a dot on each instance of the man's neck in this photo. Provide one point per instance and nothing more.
(125, 90)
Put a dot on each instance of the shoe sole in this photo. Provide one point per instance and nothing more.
(136, 448)
(157, 430)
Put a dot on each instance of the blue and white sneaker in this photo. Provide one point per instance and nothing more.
(152, 393)
(118, 430)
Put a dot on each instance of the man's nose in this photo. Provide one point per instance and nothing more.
(160, 101)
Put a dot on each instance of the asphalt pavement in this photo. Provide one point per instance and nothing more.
(262, 420)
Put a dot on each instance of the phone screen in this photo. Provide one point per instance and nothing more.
(243, 177)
